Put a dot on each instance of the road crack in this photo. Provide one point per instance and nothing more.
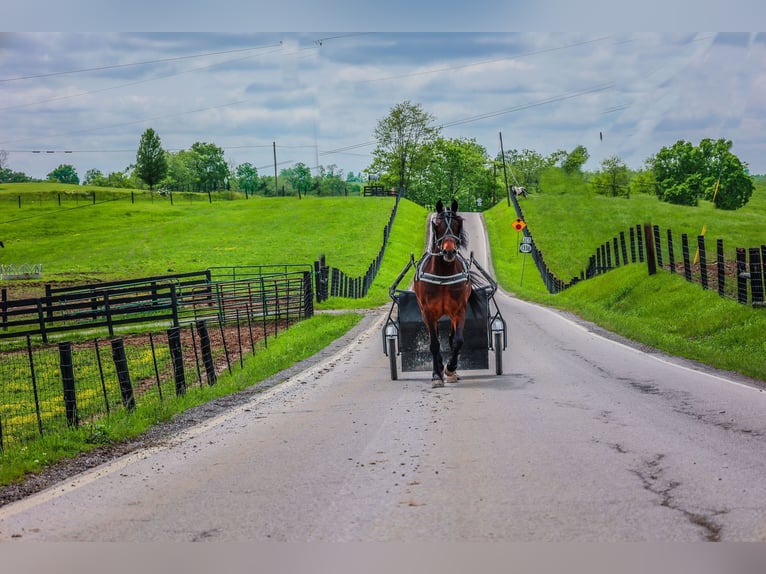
(652, 476)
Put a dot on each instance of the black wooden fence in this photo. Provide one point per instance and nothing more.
(334, 282)
(742, 279)
(46, 386)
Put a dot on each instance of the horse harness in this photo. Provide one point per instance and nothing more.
(461, 277)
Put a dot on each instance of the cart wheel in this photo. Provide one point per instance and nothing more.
(392, 357)
(498, 342)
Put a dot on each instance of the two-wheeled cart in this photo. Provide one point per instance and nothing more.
(405, 334)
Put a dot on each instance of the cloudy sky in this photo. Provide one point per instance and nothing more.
(88, 97)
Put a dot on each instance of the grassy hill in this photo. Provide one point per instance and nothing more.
(128, 233)
(569, 222)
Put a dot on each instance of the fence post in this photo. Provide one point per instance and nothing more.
(177, 358)
(632, 245)
(318, 281)
(721, 267)
(657, 245)
(67, 379)
(207, 355)
(741, 275)
(308, 296)
(756, 278)
(685, 251)
(4, 305)
(703, 260)
(123, 375)
(651, 259)
(624, 248)
(34, 386)
(671, 255)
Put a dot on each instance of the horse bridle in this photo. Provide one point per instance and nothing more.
(449, 218)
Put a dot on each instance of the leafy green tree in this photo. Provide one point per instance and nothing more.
(575, 159)
(613, 179)
(210, 167)
(685, 173)
(65, 173)
(331, 180)
(94, 177)
(453, 169)
(180, 175)
(118, 179)
(527, 165)
(642, 181)
(151, 161)
(298, 176)
(400, 139)
(9, 176)
(247, 177)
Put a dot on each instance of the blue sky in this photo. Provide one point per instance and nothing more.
(319, 95)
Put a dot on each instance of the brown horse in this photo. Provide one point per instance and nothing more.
(442, 286)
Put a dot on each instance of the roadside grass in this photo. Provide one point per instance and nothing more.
(664, 310)
(300, 341)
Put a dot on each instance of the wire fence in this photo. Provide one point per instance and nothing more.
(46, 386)
(742, 279)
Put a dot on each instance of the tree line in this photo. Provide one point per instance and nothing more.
(412, 155)
(202, 167)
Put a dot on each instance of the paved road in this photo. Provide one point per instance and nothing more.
(581, 439)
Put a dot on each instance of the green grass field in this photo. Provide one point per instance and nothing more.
(663, 310)
(124, 236)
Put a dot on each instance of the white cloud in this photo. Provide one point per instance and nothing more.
(318, 92)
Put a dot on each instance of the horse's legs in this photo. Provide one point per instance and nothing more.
(437, 377)
(456, 344)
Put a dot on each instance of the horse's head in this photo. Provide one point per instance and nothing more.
(447, 231)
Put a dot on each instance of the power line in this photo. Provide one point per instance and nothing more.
(120, 86)
(115, 66)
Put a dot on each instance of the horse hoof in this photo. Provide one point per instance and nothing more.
(451, 376)
(437, 384)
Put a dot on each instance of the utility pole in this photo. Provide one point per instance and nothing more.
(505, 174)
(276, 189)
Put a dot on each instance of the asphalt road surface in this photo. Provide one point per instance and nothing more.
(583, 438)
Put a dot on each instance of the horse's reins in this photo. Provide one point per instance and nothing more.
(461, 277)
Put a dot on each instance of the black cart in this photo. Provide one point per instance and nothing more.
(405, 335)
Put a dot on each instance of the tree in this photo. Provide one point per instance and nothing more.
(210, 168)
(64, 173)
(575, 159)
(685, 173)
(613, 179)
(452, 169)
(94, 177)
(527, 165)
(9, 176)
(400, 139)
(298, 176)
(643, 182)
(151, 162)
(3, 159)
(247, 177)
(180, 174)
